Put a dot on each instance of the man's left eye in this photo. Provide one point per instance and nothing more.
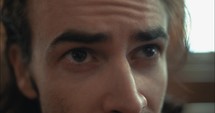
(148, 51)
(79, 55)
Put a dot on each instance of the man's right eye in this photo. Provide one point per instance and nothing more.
(79, 56)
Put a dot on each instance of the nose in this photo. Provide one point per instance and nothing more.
(123, 95)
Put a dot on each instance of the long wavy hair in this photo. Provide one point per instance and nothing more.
(14, 15)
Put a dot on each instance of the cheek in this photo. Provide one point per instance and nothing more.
(160, 85)
(52, 98)
(61, 93)
(60, 99)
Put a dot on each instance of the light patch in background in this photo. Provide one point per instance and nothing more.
(199, 108)
(201, 25)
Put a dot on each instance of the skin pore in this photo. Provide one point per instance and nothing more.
(97, 56)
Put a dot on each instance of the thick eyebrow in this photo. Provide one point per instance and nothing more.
(151, 34)
(79, 37)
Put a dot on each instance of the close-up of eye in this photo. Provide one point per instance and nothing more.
(79, 55)
(80, 60)
(148, 51)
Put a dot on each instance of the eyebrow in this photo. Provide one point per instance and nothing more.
(79, 37)
(151, 34)
(90, 38)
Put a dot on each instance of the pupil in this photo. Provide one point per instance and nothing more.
(150, 52)
(79, 55)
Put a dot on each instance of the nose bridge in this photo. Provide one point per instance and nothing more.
(123, 94)
(123, 77)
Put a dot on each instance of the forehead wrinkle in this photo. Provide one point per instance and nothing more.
(120, 8)
(130, 8)
(100, 8)
(138, 5)
(117, 3)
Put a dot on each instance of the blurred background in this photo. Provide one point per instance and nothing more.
(193, 86)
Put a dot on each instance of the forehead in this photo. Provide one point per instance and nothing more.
(95, 11)
(49, 18)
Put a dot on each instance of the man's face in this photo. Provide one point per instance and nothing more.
(99, 56)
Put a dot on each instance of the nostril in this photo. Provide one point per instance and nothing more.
(115, 111)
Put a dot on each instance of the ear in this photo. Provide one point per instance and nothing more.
(21, 72)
